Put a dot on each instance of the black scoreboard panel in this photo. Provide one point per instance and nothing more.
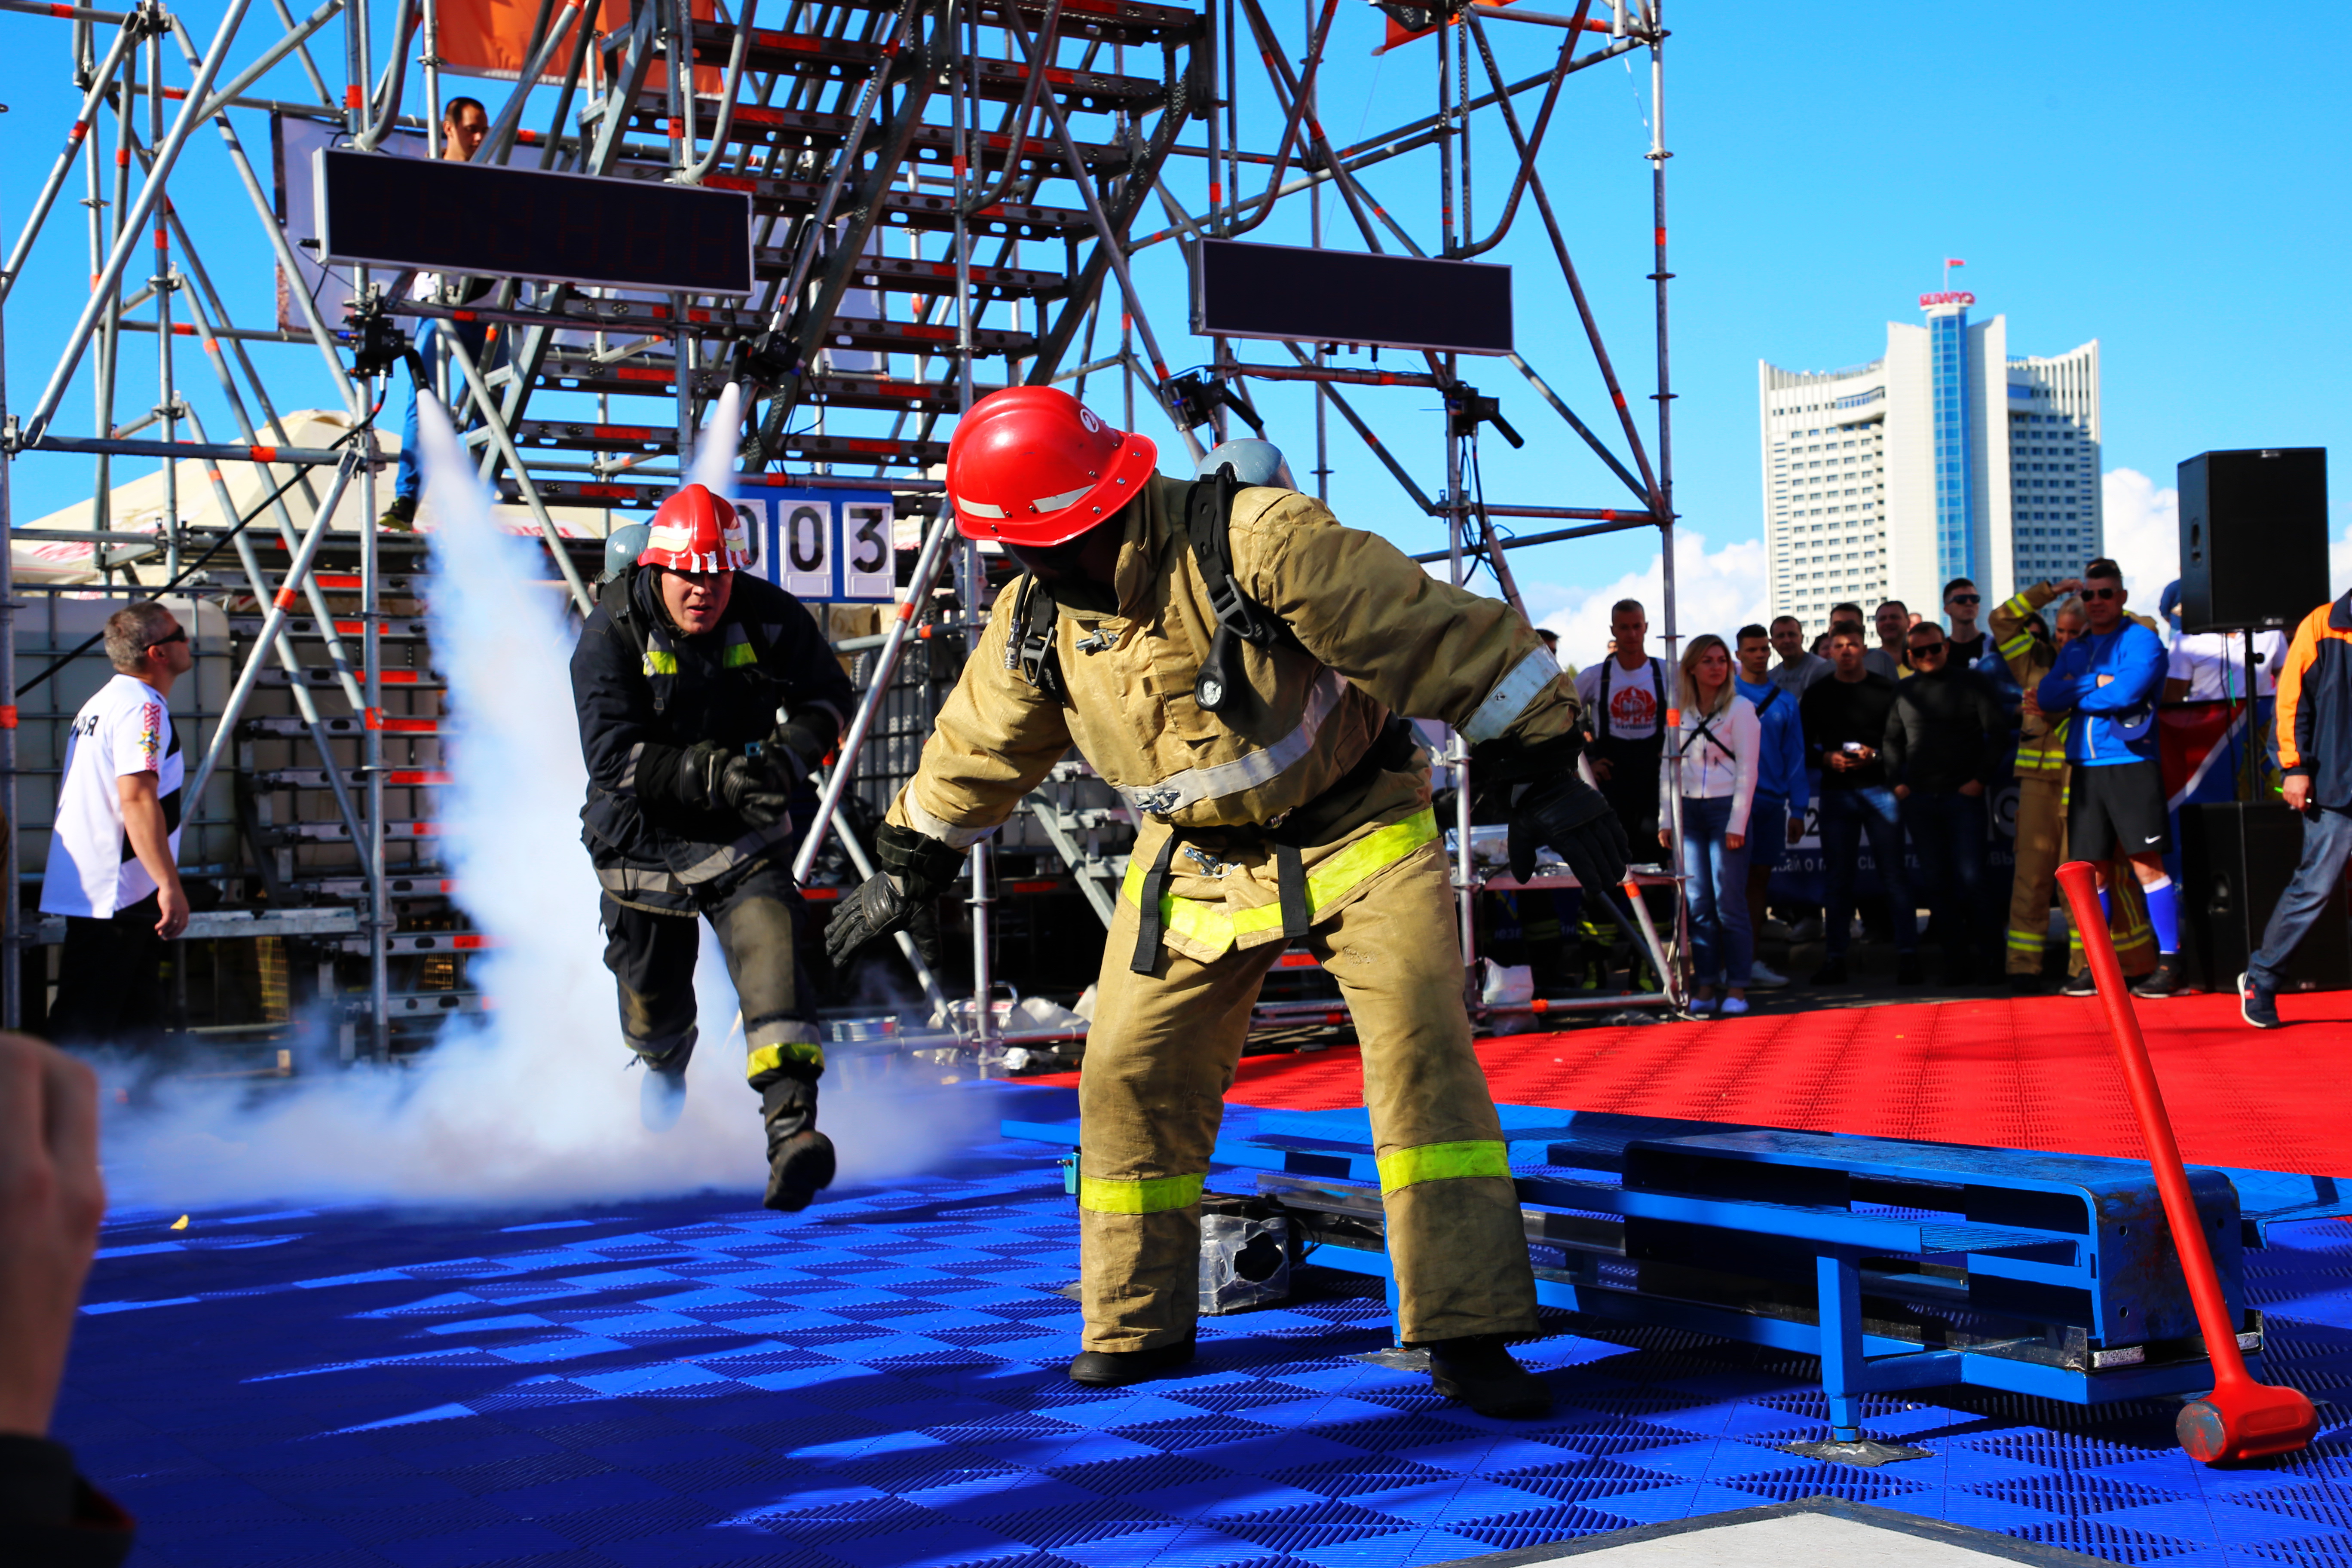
(1301, 295)
(488, 221)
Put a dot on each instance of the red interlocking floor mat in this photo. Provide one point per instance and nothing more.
(2033, 1073)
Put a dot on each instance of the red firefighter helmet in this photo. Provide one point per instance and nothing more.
(1032, 465)
(697, 530)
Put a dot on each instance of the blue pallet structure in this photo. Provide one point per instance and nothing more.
(1903, 1265)
(878, 1382)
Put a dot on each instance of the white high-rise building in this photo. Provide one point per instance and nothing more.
(1944, 458)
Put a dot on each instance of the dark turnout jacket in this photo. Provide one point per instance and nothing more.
(646, 694)
(1836, 711)
(2315, 704)
(1946, 728)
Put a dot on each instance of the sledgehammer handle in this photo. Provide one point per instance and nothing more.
(2080, 884)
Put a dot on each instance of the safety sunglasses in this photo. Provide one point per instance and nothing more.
(179, 636)
(2102, 593)
(1928, 650)
(1964, 599)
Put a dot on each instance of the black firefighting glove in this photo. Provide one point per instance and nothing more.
(713, 777)
(910, 873)
(1550, 804)
(795, 746)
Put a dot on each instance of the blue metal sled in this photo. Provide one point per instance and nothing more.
(1902, 1265)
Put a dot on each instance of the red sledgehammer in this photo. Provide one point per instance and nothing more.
(2240, 1420)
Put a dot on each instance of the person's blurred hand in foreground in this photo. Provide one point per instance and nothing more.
(51, 1200)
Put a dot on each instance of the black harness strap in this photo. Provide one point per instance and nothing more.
(1030, 648)
(1149, 928)
(1208, 519)
(1290, 877)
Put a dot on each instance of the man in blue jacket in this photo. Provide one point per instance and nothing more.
(2110, 678)
(1777, 819)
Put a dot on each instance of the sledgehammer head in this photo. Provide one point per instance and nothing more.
(2247, 1421)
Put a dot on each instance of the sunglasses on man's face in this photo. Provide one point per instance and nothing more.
(1928, 650)
(179, 636)
(1964, 599)
(2102, 593)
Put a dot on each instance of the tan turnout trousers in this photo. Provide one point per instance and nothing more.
(1161, 1053)
(2041, 849)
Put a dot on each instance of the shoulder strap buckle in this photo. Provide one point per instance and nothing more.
(1030, 647)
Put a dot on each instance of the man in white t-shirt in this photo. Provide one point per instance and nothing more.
(1624, 695)
(113, 870)
(2210, 666)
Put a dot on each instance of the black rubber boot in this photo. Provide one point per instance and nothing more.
(1117, 1369)
(800, 1158)
(1479, 1371)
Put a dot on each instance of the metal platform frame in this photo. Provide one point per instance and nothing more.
(1013, 147)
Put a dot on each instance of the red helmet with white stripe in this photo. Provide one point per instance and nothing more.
(1033, 466)
(697, 530)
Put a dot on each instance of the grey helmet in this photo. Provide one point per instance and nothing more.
(1255, 462)
(622, 547)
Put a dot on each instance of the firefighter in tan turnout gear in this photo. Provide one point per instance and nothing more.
(1233, 661)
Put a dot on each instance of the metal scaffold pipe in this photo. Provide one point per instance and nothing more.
(885, 664)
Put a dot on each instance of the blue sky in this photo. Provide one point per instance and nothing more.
(2148, 176)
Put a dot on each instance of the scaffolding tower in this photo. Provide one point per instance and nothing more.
(948, 196)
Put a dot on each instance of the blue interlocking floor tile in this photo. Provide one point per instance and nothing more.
(876, 1383)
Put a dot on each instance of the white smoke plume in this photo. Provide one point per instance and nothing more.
(535, 1100)
(713, 464)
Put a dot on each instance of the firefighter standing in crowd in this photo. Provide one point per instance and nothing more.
(1237, 683)
(704, 696)
(2041, 776)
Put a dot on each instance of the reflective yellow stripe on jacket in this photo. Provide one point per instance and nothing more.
(1152, 1194)
(1199, 920)
(1442, 1161)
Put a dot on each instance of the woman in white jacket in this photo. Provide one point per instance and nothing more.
(1718, 744)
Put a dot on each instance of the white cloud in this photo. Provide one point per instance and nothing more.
(1715, 591)
(2143, 530)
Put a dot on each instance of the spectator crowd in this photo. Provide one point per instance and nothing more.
(1891, 738)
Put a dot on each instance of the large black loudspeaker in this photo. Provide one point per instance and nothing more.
(2236, 860)
(2253, 538)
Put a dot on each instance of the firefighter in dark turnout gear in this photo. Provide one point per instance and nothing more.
(705, 694)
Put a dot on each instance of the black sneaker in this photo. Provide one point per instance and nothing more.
(400, 517)
(1830, 973)
(2162, 981)
(2259, 1006)
(1117, 1369)
(1908, 970)
(2079, 983)
(1477, 1370)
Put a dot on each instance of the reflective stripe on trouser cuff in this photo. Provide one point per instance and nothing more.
(768, 1058)
(1212, 925)
(2027, 940)
(1153, 1194)
(1442, 1161)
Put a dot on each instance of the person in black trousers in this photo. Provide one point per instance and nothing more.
(1845, 728)
(1944, 739)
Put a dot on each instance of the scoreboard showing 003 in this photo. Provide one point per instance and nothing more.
(819, 544)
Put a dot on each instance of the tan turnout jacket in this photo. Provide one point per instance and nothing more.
(1376, 634)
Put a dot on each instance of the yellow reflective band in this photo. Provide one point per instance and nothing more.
(1198, 919)
(1442, 1161)
(2027, 940)
(659, 661)
(768, 1058)
(2014, 646)
(1153, 1194)
(741, 654)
